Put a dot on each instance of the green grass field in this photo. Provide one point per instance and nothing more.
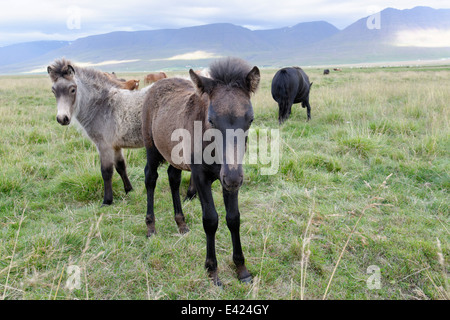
(365, 183)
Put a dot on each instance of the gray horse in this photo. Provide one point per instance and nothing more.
(110, 116)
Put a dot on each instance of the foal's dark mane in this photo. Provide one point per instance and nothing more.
(230, 72)
(60, 69)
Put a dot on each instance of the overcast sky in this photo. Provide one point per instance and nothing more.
(30, 20)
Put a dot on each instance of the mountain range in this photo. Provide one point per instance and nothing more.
(421, 33)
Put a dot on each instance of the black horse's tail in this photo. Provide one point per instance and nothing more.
(281, 88)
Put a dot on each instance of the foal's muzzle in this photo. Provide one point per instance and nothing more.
(232, 179)
(63, 120)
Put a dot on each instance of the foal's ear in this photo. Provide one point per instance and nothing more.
(205, 85)
(252, 79)
(70, 70)
(51, 72)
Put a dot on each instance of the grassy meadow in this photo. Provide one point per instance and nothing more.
(363, 186)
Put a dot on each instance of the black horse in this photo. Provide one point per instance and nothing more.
(291, 85)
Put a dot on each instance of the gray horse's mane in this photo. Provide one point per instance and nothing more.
(61, 69)
(230, 71)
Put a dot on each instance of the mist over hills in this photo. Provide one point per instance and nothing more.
(391, 35)
(402, 35)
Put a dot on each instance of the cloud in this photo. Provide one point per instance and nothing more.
(26, 20)
(196, 55)
(425, 38)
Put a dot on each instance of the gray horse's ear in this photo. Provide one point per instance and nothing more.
(252, 79)
(70, 70)
(205, 85)
(51, 73)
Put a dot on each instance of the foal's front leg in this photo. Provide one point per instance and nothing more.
(107, 169)
(233, 223)
(210, 220)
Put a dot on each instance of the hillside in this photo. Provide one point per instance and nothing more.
(20, 52)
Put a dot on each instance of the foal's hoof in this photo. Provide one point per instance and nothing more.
(247, 280)
(182, 226)
(189, 197)
(218, 283)
(127, 190)
(106, 204)
(215, 279)
(151, 232)
(183, 229)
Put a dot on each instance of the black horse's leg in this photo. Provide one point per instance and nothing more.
(308, 109)
(107, 169)
(174, 181)
(192, 191)
(119, 163)
(210, 220)
(151, 175)
(233, 223)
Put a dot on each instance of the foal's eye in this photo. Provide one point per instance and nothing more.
(73, 90)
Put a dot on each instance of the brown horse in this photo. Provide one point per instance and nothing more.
(130, 84)
(205, 106)
(115, 76)
(153, 77)
(122, 83)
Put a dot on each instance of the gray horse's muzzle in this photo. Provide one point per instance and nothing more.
(63, 120)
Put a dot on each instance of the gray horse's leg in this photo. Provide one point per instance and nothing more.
(107, 168)
(119, 163)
